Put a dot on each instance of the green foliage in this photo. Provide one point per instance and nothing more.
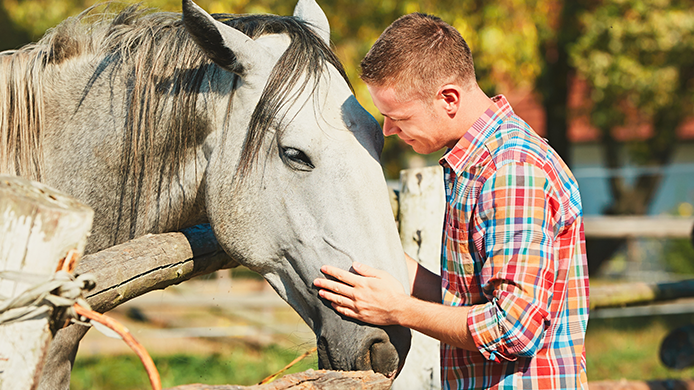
(679, 256)
(637, 57)
(241, 366)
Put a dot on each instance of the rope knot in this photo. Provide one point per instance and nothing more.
(58, 291)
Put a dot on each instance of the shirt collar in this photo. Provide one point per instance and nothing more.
(458, 156)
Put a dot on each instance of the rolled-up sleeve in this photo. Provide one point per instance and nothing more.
(515, 221)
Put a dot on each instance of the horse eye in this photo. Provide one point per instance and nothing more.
(297, 159)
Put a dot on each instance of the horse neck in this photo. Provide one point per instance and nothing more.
(164, 159)
(147, 140)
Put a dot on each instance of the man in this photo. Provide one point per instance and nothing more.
(511, 305)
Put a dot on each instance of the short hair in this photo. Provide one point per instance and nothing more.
(416, 54)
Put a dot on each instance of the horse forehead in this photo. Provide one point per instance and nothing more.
(324, 103)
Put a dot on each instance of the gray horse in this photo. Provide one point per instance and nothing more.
(160, 122)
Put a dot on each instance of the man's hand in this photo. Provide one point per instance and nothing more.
(370, 295)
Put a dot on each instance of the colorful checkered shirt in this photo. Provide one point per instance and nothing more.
(513, 250)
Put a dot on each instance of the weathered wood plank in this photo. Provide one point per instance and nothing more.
(623, 294)
(129, 270)
(311, 380)
(38, 227)
(638, 226)
(151, 262)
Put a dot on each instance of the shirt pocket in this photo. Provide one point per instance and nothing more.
(458, 273)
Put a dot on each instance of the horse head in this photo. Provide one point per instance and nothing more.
(304, 186)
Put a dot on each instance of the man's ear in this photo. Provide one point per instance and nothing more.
(450, 96)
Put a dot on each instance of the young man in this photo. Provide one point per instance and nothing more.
(511, 305)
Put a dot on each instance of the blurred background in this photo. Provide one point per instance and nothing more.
(610, 84)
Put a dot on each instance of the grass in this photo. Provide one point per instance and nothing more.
(242, 365)
(616, 349)
(628, 348)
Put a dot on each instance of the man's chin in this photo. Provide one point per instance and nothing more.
(421, 149)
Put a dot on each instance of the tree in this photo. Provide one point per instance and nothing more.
(637, 58)
(12, 35)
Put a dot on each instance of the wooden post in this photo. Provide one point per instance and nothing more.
(38, 227)
(128, 270)
(422, 205)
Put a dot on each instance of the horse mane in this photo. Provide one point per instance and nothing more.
(20, 113)
(156, 45)
(164, 68)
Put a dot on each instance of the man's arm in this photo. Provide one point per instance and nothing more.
(424, 284)
(375, 297)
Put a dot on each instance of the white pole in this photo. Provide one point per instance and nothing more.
(38, 228)
(422, 204)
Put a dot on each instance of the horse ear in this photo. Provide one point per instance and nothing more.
(310, 12)
(226, 46)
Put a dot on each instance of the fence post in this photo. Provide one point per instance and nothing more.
(38, 227)
(422, 204)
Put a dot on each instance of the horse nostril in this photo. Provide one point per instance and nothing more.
(384, 358)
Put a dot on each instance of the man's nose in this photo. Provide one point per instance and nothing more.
(389, 128)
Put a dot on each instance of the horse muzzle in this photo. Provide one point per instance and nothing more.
(363, 347)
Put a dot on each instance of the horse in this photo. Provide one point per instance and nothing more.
(160, 121)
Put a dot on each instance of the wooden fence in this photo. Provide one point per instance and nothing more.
(157, 261)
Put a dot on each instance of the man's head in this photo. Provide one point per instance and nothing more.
(416, 55)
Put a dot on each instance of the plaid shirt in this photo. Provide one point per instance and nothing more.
(513, 250)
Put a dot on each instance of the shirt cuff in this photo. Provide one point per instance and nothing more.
(507, 327)
(484, 322)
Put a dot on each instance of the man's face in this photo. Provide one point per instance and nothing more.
(419, 123)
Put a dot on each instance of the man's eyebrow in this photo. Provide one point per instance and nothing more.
(391, 118)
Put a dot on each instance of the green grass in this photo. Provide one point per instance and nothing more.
(239, 366)
(627, 348)
(615, 349)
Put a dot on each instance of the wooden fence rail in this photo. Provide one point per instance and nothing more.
(638, 226)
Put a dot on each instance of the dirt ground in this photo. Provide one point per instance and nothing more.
(202, 316)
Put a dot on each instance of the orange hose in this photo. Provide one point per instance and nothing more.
(146, 360)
